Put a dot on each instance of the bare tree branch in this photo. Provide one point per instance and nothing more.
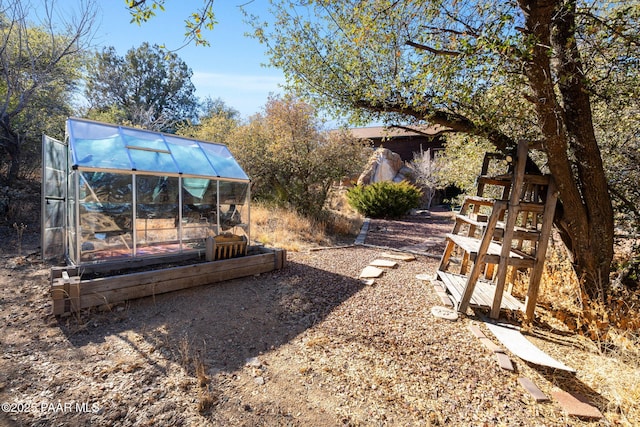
(432, 50)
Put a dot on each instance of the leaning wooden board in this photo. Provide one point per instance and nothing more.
(519, 345)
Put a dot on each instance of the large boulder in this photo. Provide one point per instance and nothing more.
(384, 165)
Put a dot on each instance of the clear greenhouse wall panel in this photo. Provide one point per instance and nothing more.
(106, 216)
(169, 214)
(102, 146)
(54, 171)
(157, 213)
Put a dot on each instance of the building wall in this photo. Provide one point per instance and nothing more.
(407, 146)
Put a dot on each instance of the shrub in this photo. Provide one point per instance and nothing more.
(384, 199)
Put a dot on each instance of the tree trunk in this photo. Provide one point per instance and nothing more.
(573, 155)
(10, 142)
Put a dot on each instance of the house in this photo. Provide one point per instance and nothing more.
(404, 140)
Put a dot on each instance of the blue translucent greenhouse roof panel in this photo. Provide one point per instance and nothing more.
(96, 145)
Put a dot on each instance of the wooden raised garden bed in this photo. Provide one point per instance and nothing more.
(72, 293)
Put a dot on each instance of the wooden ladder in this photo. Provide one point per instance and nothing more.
(500, 236)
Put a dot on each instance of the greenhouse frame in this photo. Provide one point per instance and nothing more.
(114, 193)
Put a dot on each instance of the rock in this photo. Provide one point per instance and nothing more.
(444, 313)
(253, 362)
(383, 165)
(259, 380)
(371, 272)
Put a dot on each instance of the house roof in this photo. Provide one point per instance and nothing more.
(383, 132)
(102, 146)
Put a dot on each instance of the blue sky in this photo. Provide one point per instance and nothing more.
(229, 69)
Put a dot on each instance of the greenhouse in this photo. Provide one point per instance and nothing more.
(119, 193)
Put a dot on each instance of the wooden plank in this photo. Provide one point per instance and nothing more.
(504, 362)
(576, 405)
(545, 233)
(74, 294)
(58, 296)
(517, 344)
(476, 331)
(473, 246)
(449, 280)
(535, 178)
(67, 296)
(512, 215)
(482, 295)
(176, 273)
(482, 249)
(535, 207)
(91, 297)
(446, 255)
(533, 389)
(280, 258)
(479, 200)
(145, 261)
(486, 180)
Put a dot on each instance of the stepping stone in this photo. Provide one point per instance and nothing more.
(383, 263)
(368, 282)
(444, 297)
(533, 389)
(576, 405)
(399, 256)
(504, 362)
(426, 277)
(439, 288)
(476, 331)
(444, 313)
(491, 345)
(371, 272)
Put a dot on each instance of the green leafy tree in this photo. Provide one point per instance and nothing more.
(38, 77)
(500, 70)
(217, 124)
(148, 87)
(201, 18)
(290, 159)
(461, 161)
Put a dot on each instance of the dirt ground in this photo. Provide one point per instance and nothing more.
(308, 345)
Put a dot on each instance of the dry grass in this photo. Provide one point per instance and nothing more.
(608, 332)
(277, 227)
(606, 335)
(193, 363)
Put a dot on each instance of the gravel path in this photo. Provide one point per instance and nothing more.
(309, 345)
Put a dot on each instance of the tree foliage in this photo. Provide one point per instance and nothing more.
(461, 161)
(216, 124)
(201, 18)
(291, 160)
(497, 70)
(148, 87)
(38, 76)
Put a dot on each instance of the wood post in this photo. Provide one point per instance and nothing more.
(512, 215)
